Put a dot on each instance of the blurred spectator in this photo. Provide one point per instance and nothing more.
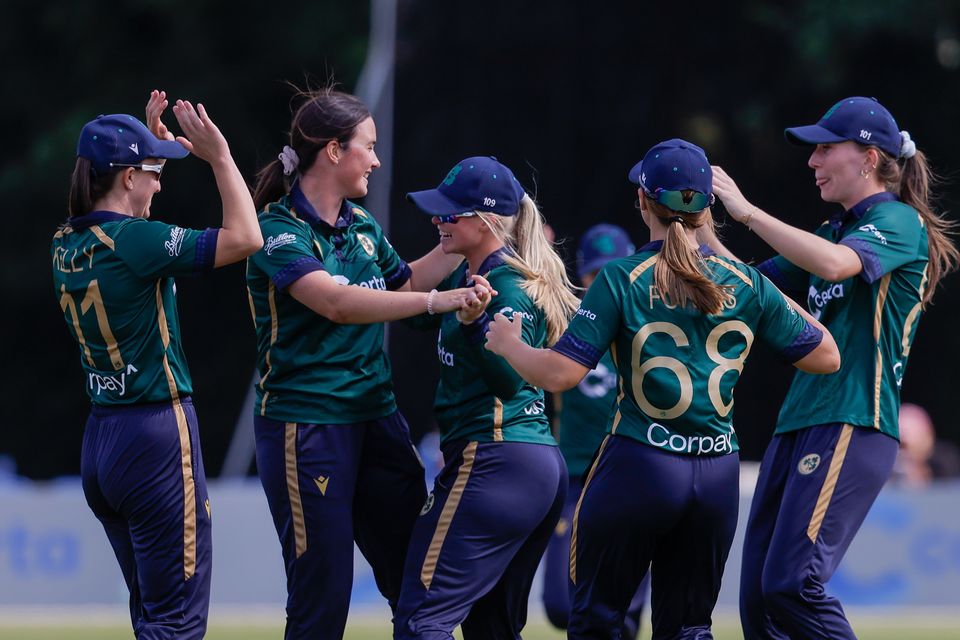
(922, 457)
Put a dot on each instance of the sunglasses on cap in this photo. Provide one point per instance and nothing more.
(453, 217)
(690, 202)
(153, 168)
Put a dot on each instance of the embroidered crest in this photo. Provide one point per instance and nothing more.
(427, 505)
(366, 243)
(808, 464)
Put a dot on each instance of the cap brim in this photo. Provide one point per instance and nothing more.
(811, 134)
(434, 203)
(634, 175)
(169, 150)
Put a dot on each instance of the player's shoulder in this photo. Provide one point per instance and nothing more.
(276, 217)
(730, 271)
(892, 213)
(361, 217)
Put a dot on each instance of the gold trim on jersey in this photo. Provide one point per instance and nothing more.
(617, 416)
(829, 483)
(731, 269)
(640, 268)
(446, 516)
(576, 513)
(877, 324)
(186, 455)
(103, 237)
(293, 488)
(497, 420)
(274, 328)
(912, 316)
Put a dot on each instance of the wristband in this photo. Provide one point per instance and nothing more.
(430, 297)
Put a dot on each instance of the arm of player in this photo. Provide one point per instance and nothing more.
(542, 368)
(239, 234)
(360, 305)
(825, 357)
(431, 269)
(813, 254)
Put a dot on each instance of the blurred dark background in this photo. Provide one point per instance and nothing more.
(569, 95)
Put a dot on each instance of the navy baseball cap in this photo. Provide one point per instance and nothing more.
(672, 167)
(479, 183)
(601, 244)
(859, 119)
(122, 140)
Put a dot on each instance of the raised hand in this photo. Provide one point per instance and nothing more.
(727, 190)
(156, 105)
(201, 137)
(503, 334)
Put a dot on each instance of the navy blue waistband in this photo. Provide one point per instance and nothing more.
(101, 410)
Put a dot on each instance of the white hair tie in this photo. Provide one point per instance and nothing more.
(908, 148)
(290, 160)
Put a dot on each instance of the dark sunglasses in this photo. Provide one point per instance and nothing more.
(453, 217)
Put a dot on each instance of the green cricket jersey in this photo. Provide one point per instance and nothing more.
(585, 415)
(314, 370)
(873, 316)
(480, 397)
(114, 277)
(678, 366)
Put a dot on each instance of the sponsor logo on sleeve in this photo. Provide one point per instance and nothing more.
(586, 313)
(869, 228)
(509, 311)
(273, 242)
(175, 242)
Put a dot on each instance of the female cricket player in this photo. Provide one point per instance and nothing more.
(480, 536)
(680, 323)
(867, 272)
(333, 452)
(113, 271)
(583, 414)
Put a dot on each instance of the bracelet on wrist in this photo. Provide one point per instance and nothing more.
(430, 297)
(746, 219)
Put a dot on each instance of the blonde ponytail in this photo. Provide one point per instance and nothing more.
(679, 274)
(545, 277)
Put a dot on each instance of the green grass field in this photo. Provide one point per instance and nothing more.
(914, 627)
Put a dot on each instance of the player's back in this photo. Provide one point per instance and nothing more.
(678, 366)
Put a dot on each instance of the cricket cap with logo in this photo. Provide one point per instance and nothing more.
(601, 244)
(480, 183)
(677, 174)
(859, 119)
(120, 140)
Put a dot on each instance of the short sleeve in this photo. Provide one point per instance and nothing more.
(595, 324)
(155, 249)
(288, 252)
(784, 273)
(781, 327)
(886, 238)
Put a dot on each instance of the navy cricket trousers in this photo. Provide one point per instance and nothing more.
(143, 477)
(328, 486)
(479, 540)
(645, 507)
(556, 573)
(815, 488)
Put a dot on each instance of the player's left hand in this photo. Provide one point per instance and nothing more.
(156, 105)
(504, 333)
(474, 307)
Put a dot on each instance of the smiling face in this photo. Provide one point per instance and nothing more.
(358, 160)
(462, 236)
(837, 170)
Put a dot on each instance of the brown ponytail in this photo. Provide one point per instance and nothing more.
(324, 116)
(86, 189)
(679, 272)
(913, 182)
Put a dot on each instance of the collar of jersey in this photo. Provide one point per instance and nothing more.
(858, 210)
(96, 217)
(489, 263)
(303, 208)
(656, 245)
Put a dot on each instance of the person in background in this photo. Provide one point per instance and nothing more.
(114, 273)
(583, 416)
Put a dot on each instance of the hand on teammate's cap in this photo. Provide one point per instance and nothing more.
(730, 195)
(504, 333)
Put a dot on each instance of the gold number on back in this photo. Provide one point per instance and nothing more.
(94, 299)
